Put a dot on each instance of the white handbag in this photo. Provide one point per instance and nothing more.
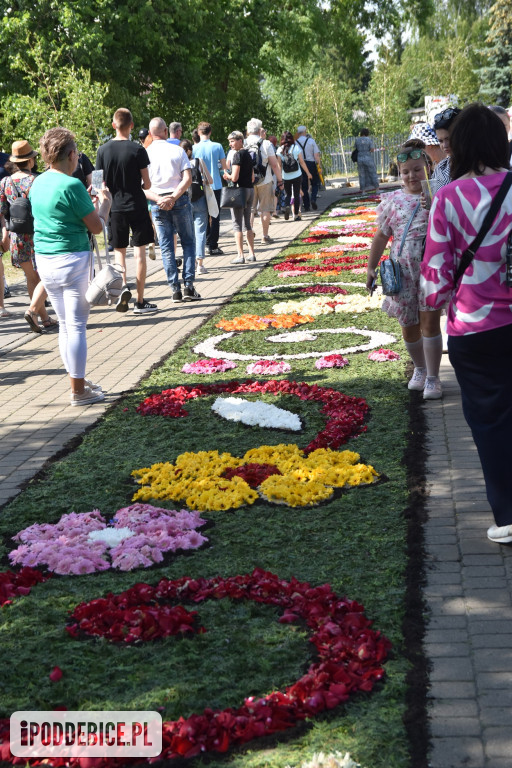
(107, 285)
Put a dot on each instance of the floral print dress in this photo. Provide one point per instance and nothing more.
(393, 213)
(21, 246)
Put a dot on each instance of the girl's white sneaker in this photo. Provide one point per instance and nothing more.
(418, 379)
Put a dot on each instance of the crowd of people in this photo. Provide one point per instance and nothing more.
(150, 191)
(452, 244)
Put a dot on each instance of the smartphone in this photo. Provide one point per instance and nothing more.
(96, 182)
(373, 286)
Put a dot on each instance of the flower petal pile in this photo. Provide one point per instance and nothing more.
(345, 414)
(331, 361)
(211, 365)
(18, 584)
(349, 654)
(256, 413)
(269, 367)
(204, 480)
(383, 355)
(322, 305)
(257, 323)
(83, 543)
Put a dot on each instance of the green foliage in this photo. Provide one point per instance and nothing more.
(496, 74)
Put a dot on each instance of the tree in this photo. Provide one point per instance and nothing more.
(496, 74)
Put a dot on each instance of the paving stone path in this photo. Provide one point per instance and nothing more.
(469, 638)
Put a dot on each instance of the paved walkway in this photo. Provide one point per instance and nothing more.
(469, 640)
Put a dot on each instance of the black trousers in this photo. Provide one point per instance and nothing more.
(483, 366)
(292, 186)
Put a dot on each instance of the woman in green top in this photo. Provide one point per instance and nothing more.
(63, 212)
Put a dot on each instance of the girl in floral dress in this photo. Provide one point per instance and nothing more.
(420, 324)
(22, 246)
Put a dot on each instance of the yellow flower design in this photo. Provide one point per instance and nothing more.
(197, 478)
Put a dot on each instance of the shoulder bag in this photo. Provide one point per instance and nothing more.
(390, 274)
(107, 285)
(354, 155)
(232, 197)
(469, 254)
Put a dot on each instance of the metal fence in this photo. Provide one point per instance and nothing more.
(336, 157)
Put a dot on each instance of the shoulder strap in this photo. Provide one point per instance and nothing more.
(18, 193)
(402, 243)
(469, 254)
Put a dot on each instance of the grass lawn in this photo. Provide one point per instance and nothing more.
(357, 542)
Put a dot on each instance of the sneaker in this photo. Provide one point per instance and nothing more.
(238, 260)
(216, 252)
(433, 389)
(287, 212)
(267, 240)
(179, 262)
(151, 252)
(7, 292)
(87, 397)
(251, 258)
(190, 293)
(314, 206)
(94, 387)
(201, 270)
(177, 296)
(297, 218)
(417, 382)
(124, 298)
(144, 308)
(501, 535)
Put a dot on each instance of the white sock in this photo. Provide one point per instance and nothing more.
(415, 349)
(433, 348)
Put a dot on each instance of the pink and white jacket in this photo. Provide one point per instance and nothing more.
(482, 300)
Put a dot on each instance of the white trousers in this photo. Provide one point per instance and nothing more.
(65, 277)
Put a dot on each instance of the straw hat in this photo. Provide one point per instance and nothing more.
(21, 152)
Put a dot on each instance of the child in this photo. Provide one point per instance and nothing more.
(420, 324)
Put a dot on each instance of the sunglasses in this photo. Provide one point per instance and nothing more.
(447, 114)
(412, 153)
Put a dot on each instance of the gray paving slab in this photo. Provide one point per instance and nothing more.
(470, 659)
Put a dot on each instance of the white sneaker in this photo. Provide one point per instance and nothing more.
(501, 535)
(433, 389)
(87, 397)
(94, 387)
(151, 252)
(238, 260)
(418, 379)
(201, 270)
(251, 258)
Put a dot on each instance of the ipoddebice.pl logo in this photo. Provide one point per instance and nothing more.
(86, 734)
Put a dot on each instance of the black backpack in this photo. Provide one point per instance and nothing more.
(257, 161)
(20, 219)
(196, 188)
(289, 162)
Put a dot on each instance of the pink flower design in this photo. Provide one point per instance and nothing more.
(383, 355)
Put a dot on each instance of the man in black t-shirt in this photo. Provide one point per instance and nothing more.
(125, 168)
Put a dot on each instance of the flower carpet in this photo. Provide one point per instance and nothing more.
(227, 546)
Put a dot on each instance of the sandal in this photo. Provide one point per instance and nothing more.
(50, 322)
(29, 317)
(4, 312)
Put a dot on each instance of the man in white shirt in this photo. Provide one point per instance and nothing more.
(171, 176)
(263, 189)
(311, 157)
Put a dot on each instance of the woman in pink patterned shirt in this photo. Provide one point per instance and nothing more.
(480, 303)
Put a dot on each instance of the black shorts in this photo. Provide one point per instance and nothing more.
(138, 221)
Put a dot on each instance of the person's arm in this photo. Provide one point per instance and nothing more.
(234, 174)
(439, 262)
(166, 203)
(146, 183)
(276, 167)
(304, 166)
(94, 221)
(378, 246)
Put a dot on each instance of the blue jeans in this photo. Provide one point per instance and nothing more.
(179, 220)
(200, 216)
(315, 183)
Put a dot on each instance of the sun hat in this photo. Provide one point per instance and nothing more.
(424, 132)
(21, 152)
